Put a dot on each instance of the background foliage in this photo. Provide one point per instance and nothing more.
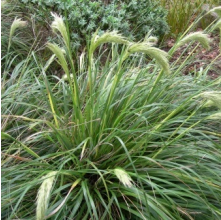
(133, 19)
(181, 13)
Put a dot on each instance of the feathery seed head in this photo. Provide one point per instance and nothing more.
(151, 40)
(199, 36)
(58, 25)
(145, 47)
(123, 176)
(214, 98)
(108, 37)
(44, 194)
(59, 52)
(153, 52)
(208, 104)
(17, 23)
(216, 116)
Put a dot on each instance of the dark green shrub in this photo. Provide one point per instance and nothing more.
(144, 16)
(133, 19)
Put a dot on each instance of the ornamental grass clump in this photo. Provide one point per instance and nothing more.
(122, 140)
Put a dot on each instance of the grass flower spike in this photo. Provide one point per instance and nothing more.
(213, 97)
(108, 37)
(44, 194)
(146, 47)
(59, 52)
(215, 116)
(123, 176)
(17, 23)
(58, 25)
(199, 36)
(151, 40)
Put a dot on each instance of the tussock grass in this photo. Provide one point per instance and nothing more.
(123, 140)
